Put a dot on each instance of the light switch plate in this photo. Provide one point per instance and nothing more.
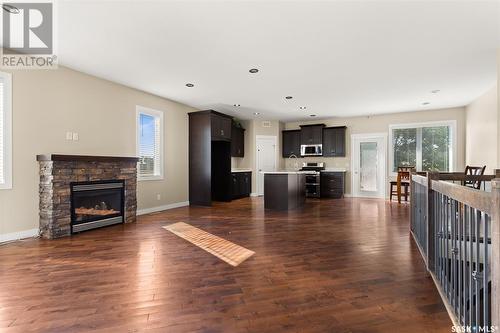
(75, 137)
(69, 136)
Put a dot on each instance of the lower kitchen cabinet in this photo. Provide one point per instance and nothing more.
(332, 184)
(241, 184)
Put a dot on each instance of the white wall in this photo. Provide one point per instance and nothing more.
(48, 103)
(481, 131)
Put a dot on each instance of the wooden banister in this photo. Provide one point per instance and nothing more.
(495, 252)
(473, 198)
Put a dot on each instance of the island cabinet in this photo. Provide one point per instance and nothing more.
(221, 126)
(334, 141)
(332, 184)
(237, 142)
(291, 143)
(241, 184)
(311, 134)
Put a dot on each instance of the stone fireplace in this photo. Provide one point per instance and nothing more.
(78, 193)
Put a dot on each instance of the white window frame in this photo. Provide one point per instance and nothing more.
(157, 114)
(7, 131)
(453, 138)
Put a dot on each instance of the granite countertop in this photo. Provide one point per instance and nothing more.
(291, 172)
(334, 170)
(241, 170)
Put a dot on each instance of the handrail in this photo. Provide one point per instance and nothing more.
(419, 179)
(471, 197)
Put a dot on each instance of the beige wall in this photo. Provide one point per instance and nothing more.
(498, 109)
(47, 104)
(481, 131)
(380, 124)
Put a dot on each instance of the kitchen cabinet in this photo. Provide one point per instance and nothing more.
(241, 184)
(334, 141)
(332, 184)
(220, 126)
(311, 134)
(290, 143)
(237, 142)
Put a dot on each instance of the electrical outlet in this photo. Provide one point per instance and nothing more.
(75, 137)
(69, 136)
(158, 196)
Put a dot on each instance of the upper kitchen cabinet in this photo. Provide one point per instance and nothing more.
(311, 134)
(291, 143)
(221, 126)
(237, 142)
(334, 141)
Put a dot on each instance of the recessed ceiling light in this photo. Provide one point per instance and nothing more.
(435, 91)
(189, 85)
(288, 97)
(302, 107)
(426, 103)
(253, 70)
(10, 9)
(236, 105)
(256, 113)
(312, 115)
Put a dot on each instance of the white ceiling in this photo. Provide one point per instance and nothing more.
(336, 58)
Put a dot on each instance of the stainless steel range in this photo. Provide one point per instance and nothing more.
(313, 178)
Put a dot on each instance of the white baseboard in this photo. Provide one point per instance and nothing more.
(254, 194)
(160, 208)
(18, 235)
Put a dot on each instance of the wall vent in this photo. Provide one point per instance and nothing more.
(266, 123)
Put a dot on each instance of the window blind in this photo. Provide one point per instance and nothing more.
(2, 131)
(149, 145)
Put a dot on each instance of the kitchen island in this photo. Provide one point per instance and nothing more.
(284, 190)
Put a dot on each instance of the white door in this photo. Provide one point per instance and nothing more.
(265, 158)
(369, 165)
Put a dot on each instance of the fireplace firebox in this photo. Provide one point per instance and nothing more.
(96, 204)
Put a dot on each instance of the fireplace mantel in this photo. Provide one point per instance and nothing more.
(57, 174)
(84, 158)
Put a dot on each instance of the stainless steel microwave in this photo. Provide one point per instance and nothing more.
(311, 150)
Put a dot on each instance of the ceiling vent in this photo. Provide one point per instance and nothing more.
(266, 123)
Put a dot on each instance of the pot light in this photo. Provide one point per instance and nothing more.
(302, 107)
(435, 91)
(189, 85)
(236, 105)
(288, 97)
(426, 103)
(256, 113)
(10, 9)
(312, 115)
(253, 70)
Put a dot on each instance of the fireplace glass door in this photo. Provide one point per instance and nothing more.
(95, 204)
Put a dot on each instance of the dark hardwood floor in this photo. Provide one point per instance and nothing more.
(344, 265)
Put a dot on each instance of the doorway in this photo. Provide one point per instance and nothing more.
(265, 152)
(369, 161)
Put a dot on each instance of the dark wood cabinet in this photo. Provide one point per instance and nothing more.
(237, 142)
(334, 141)
(290, 143)
(311, 134)
(332, 184)
(241, 184)
(221, 126)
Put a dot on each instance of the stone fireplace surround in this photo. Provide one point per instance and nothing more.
(58, 171)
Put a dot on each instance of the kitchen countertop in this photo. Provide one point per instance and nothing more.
(241, 170)
(291, 172)
(335, 170)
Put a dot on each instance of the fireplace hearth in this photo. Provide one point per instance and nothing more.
(96, 204)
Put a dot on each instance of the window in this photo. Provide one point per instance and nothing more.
(427, 146)
(149, 143)
(5, 131)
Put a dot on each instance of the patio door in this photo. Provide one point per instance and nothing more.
(369, 161)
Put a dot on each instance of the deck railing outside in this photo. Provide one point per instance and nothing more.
(457, 231)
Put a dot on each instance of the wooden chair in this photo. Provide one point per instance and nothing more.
(403, 180)
(473, 171)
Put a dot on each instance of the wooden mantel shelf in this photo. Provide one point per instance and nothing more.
(84, 158)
